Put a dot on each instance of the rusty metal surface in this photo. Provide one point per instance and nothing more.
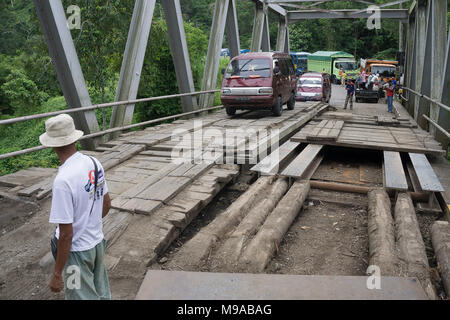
(180, 285)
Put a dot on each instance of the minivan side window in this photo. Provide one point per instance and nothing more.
(284, 67)
(291, 66)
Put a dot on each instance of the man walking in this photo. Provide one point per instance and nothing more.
(350, 87)
(80, 201)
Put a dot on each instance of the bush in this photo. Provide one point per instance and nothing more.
(22, 93)
(158, 75)
(25, 135)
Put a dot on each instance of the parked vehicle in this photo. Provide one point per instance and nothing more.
(385, 68)
(300, 60)
(259, 80)
(224, 53)
(364, 94)
(314, 86)
(332, 61)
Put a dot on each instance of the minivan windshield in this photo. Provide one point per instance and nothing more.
(310, 82)
(384, 71)
(248, 68)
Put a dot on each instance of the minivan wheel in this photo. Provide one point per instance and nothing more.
(231, 111)
(277, 109)
(291, 102)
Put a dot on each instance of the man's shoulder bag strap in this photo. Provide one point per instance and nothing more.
(95, 183)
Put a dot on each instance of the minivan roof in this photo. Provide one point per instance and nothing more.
(311, 75)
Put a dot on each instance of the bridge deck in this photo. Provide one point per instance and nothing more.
(155, 199)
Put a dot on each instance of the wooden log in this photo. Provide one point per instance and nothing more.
(440, 236)
(264, 245)
(228, 254)
(410, 244)
(380, 226)
(343, 187)
(196, 250)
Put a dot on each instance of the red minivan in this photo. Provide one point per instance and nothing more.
(314, 86)
(259, 80)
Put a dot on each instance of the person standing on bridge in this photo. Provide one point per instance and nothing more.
(80, 200)
(390, 90)
(364, 78)
(350, 87)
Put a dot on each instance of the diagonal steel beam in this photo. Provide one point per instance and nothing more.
(133, 60)
(214, 47)
(438, 49)
(444, 116)
(232, 30)
(65, 59)
(180, 53)
(420, 44)
(258, 28)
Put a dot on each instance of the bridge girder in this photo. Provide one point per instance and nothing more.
(133, 61)
(61, 48)
(294, 16)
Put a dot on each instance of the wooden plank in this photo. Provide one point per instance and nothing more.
(271, 163)
(394, 174)
(373, 145)
(165, 189)
(181, 170)
(425, 173)
(302, 162)
(330, 132)
(141, 206)
(140, 187)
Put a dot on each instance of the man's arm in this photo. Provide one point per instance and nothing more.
(106, 205)
(64, 245)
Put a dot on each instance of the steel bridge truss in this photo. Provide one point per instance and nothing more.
(427, 51)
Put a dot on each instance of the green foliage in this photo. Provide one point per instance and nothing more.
(158, 76)
(388, 54)
(22, 93)
(223, 65)
(24, 135)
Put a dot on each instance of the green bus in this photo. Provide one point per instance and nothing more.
(332, 61)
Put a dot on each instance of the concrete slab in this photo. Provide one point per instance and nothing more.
(180, 285)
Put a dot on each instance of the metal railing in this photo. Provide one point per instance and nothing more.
(101, 106)
(105, 105)
(440, 104)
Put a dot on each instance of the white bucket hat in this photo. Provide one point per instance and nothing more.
(60, 132)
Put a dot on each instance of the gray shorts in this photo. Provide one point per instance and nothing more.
(85, 276)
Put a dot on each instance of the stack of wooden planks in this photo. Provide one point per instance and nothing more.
(326, 130)
(368, 119)
(373, 137)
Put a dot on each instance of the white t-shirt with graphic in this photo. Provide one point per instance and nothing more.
(73, 195)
